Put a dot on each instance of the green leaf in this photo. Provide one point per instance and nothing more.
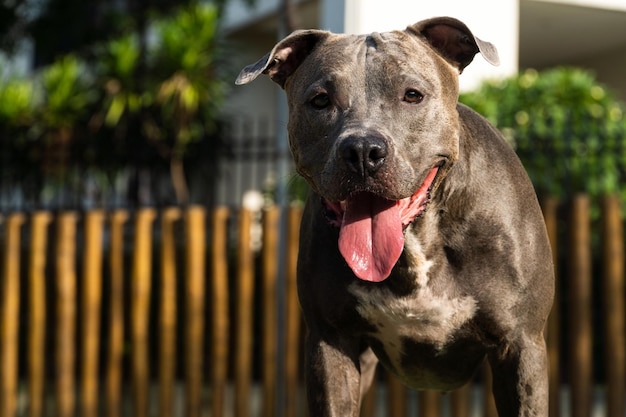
(116, 110)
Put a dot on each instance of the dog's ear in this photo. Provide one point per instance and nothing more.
(284, 58)
(454, 41)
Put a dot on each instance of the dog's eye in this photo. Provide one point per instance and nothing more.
(413, 96)
(320, 101)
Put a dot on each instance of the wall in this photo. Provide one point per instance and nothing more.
(363, 16)
(609, 68)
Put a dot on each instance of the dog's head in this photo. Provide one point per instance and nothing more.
(373, 125)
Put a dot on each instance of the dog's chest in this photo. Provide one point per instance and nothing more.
(423, 316)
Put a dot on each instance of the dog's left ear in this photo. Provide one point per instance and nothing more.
(284, 58)
(454, 41)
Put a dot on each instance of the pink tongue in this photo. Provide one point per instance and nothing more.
(371, 238)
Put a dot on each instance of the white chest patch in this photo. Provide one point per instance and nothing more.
(421, 316)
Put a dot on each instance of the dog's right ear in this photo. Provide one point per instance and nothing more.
(284, 58)
(453, 40)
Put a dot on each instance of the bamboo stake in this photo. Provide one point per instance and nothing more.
(549, 207)
(37, 308)
(460, 401)
(167, 317)
(245, 291)
(580, 366)
(9, 317)
(613, 302)
(196, 252)
(91, 311)
(219, 303)
(115, 347)
(66, 314)
(293, 319)
(489, 401)
(396, 397)
(368, 405)
(429, 404)
(270, 272)
(140, 309)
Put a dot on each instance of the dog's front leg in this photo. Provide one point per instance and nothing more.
(520, 377)
(333, 375)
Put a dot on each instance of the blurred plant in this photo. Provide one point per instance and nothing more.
(16, 101)
(45, 22)
(173, 95)
(568, 130)
(128, 101)
(117, 64)
(17, 106)
(67, 94)
(66, 103)
(189, 90)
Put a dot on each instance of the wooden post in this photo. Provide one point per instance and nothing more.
(219, 310)
(460, 401)
(396, 397)
(66, 313)
(140, 309)
(37, 308)
(368, 405)
(9, 316)
(549, 206)
(579, 314)
(115, 348)
(270, 271)
(195, 244)
(489, 401)
(91, 311)
(613, 303)
(167, 313)
(292, 321)
(430, 404)
(244, 308)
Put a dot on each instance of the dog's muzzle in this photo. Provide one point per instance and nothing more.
(371, 236)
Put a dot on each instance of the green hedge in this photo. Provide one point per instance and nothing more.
(568, 129)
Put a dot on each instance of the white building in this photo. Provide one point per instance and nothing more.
(527, 33)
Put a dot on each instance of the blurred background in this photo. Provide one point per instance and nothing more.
(132, 103)
(142, 195)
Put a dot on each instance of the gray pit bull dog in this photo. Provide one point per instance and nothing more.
(422, 242)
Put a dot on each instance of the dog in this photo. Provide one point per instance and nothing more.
(423, 245)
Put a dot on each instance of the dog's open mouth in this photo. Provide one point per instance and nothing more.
(371, 235)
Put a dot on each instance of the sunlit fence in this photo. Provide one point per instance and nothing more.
(193, 311)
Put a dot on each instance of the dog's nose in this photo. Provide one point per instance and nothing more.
(363, 155)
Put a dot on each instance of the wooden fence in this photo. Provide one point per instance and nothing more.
(172, 312)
